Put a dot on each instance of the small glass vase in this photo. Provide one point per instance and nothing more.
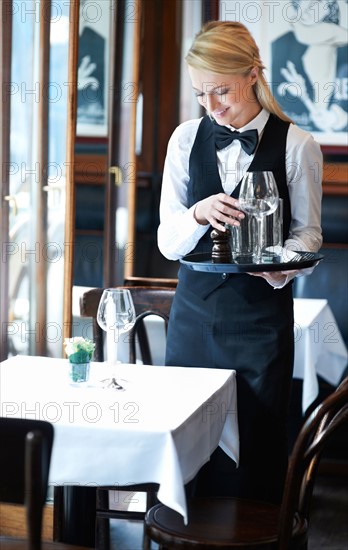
(79, 372)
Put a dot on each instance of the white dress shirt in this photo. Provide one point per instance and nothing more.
(179, 232)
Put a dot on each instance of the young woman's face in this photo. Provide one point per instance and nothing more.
(229, 99)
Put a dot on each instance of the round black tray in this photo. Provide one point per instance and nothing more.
(203, 262)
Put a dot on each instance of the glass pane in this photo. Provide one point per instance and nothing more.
(57, 170)
(22, 176)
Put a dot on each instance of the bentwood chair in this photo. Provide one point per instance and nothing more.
(24, 468)
(228, 523)
(149, 299)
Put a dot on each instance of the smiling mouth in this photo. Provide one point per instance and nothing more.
(220, 113)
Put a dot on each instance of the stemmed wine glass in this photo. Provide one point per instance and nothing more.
(116, 315)
(258, 197)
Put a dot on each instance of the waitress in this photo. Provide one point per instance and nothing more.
(237, 321)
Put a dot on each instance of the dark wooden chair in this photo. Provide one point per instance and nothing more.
(227, 523)
(155, 300)
(24, 468)
(148, 299)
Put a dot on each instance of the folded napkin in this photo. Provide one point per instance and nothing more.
(285, 254)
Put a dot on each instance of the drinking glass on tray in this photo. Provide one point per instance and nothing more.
(258, 197)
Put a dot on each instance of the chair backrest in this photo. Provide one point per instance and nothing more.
(24, 467)
(148, 300)
(329, 417)
(151, 281)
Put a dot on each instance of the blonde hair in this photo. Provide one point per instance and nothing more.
(227, 47)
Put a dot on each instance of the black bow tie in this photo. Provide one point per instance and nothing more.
(248, 139)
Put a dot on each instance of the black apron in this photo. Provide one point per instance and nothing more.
(237, 321)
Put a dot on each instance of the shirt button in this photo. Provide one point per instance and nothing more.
(224, 276)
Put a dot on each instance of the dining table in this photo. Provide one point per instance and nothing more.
(320, 350)
(160, 428)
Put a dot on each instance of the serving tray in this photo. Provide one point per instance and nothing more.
(203, 262)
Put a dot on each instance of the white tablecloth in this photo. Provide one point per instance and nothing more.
(161, 429)
(319, 347)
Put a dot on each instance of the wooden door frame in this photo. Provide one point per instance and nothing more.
(69, 239)
(132, 183)
(40, 298)
(122, 106)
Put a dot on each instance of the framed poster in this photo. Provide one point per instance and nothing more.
(304, 46)
(93, 65)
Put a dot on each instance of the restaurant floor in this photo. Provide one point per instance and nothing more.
(328, 529)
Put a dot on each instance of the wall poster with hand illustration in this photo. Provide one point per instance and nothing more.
(92, 76)
(305, 50)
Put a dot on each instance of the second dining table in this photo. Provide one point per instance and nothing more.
(320, 349)
(161, 429)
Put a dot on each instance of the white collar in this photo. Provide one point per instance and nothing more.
(258, 123)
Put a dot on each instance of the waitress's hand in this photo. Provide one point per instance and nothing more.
(218, 210)
(277, 279)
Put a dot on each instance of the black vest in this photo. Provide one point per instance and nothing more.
(205, 181)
